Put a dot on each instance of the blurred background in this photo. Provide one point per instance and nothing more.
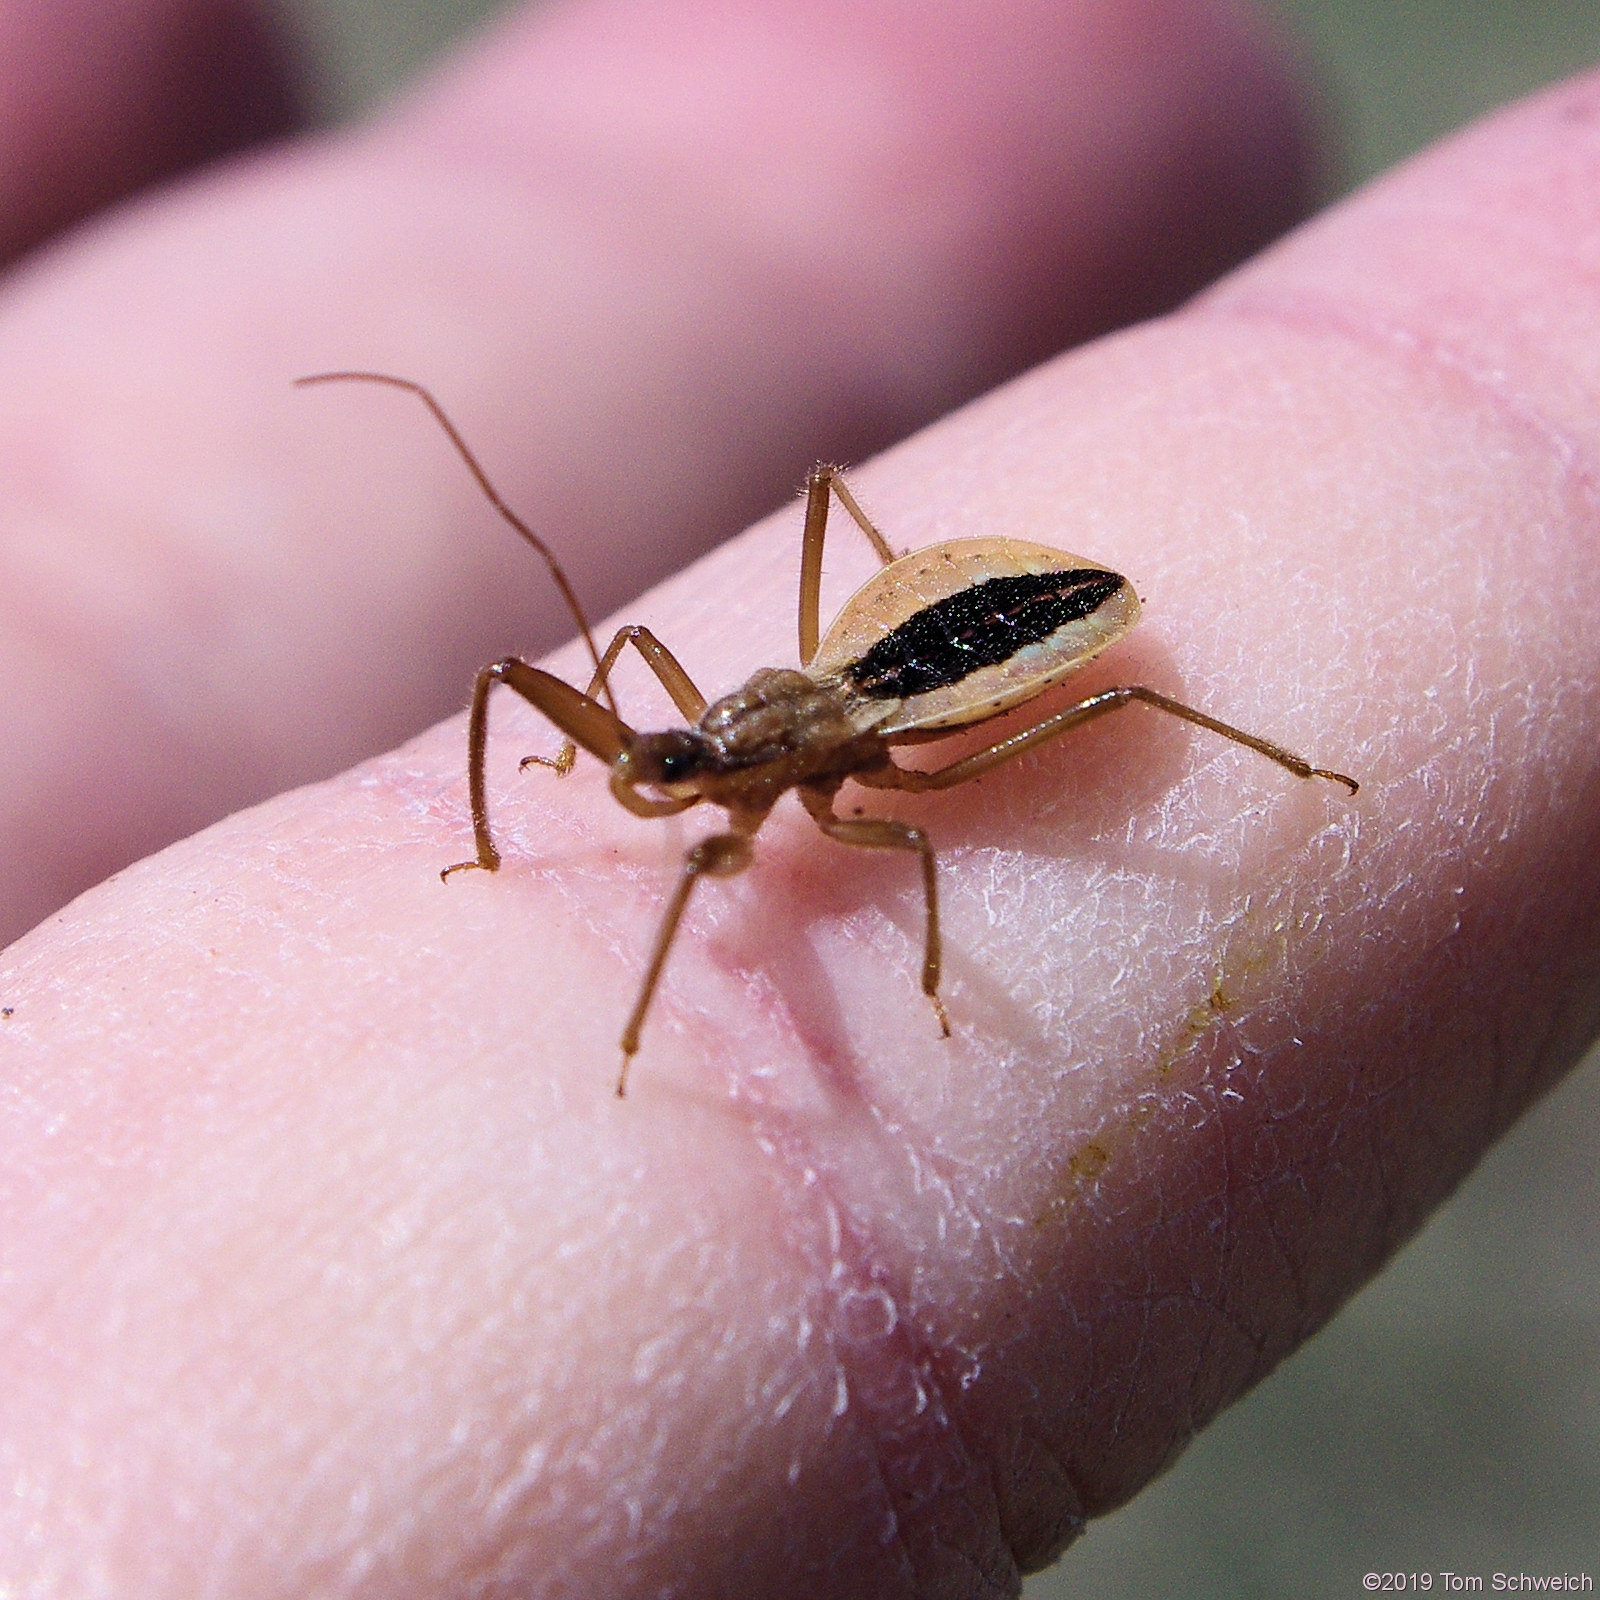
(1449, 1420)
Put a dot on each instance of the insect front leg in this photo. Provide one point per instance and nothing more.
(723, 855)
(982, 761)
(877, 833)
(584, 721)
(660, 660)
(822, 481)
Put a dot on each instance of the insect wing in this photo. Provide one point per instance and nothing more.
(967, 629)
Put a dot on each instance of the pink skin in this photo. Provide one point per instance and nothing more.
(331, 1266)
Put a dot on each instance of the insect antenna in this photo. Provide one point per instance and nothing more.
(492, 495)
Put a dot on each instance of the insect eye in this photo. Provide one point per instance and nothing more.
(667, 757)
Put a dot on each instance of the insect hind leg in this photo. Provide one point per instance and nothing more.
(991, 756)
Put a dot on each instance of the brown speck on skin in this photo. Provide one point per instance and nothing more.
(8, 1011)
(1089, 1162)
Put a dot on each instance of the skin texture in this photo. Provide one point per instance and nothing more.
(332, 1267)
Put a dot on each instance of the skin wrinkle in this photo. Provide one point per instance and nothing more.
(1264, 1188)
(1391, 1224)
(1065, 1522)
(1293, 1267)
(878, 1371)
(1313, 312)
(1220, 1273)
(1117, 1385)
(1199, 1405)
(1261, 1358)
(777, 1136)
(1214, 1296)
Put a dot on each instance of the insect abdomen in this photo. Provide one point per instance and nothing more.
(981, 626)
(966, 629)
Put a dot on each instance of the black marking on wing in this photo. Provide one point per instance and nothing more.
(980, 626)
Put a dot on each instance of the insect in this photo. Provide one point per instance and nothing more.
(935, 641)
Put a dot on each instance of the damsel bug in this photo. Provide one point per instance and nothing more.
(937, 640)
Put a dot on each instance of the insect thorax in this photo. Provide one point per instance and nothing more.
(789, 721)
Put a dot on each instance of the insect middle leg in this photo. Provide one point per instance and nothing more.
(722, 855)
(981, 761)
(878, 833)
